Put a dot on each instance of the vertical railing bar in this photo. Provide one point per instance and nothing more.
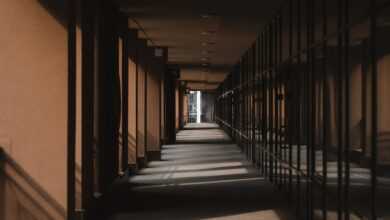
(263, 104)
(299, 17)
(308, 111)
(347, 111)
(254, 96)
(247, 112)
(136, 61)
(125, 99)
(324, 115)
(279, 75)
(247, 91)
(259, 104)
(265, 96)
(146, 62)
(265, 107)
(251, 103)
(267, 89)
(272, 83)
(244, 83)
(267, 92)
(282, 102)
(87, 68)
(71, 111)
(339, 114)
(266, 103)
(290, 129)
(261, 100)
(312, 106)
(245, 115)
(374, 108)
(249, 94)
(241, 103)
(276, 104)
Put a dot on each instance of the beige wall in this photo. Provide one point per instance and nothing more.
(141, 112)
(153, 109)
(384, 109)
(357, 106)
(185, 109)
(356, 116)
(120, 64)
(78, 117)
(132, 112)
(33, 93)
(177, 113)
(162, 108)
(383, 92)
(332, 109)
(22, 198)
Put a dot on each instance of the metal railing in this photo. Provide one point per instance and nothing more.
(303, 101)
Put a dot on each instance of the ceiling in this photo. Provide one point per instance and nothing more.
(205, 38)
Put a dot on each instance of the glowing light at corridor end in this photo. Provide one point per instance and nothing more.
(198, 107)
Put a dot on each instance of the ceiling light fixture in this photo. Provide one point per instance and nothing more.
(208, 15)
(207, 43)
(209, 32)
(207, 52)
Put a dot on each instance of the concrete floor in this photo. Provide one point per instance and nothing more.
(194, 180)
(200, 125)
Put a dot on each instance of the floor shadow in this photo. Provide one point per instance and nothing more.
(197, 181)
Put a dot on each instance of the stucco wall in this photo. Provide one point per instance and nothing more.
(132, 112)
(153, 109)
(33, 93)
(141, 111)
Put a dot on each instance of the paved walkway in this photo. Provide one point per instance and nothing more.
(195, 180)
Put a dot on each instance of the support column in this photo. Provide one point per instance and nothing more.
(155, 70)
(171, 75)
(108, 95)
(164, 69)
(125, 93)
(132, 97)
(141, 102)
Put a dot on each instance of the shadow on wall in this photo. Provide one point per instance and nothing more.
(141, 144)
(384, 148)
(78, 186)
(22, 197)
(132, 147)
(57, 9)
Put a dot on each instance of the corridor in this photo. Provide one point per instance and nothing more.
(204, 176)
(194, 110)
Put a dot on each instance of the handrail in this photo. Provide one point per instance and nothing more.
(264, 150)
(284, 163)
(234, 129)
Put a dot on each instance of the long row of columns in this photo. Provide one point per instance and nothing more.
(127, 102)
